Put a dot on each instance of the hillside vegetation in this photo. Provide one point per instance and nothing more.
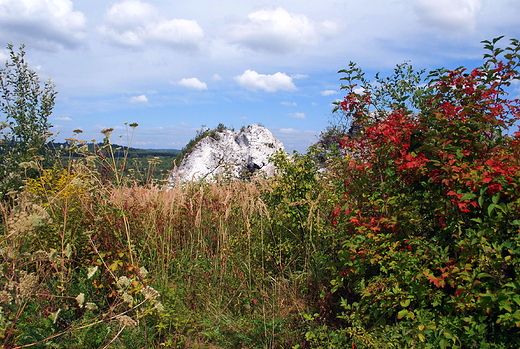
(409, 239)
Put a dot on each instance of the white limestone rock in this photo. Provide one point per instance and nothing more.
(229, 154)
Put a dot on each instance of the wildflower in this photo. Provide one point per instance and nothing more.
(128, 298)
(80, 299)
(28, 284)
(159, 307)
(123, 281)
(143, 272)
(107, 131)
(91, 271)
(91, 306)
(150, 293)
(127, 321)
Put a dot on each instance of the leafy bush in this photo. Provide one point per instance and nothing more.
(25, 105)
(429, 224)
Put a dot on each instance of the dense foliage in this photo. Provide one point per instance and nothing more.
(399, 230)
(430, 219)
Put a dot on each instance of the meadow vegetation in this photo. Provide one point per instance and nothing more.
(402, 233)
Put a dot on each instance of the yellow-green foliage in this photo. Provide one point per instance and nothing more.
(59, 184)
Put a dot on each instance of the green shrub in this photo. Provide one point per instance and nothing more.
(429, 224)
(25, 105)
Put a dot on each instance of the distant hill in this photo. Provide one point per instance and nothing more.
(119, 150)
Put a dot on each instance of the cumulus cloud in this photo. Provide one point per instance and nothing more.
(298, 115)
(279, 31)
(139, 99)
(45, 24)
(133, 23)
(253, 81)
(448, 15)
(299, 76)
(329, 92)
(289, 104)
(193, 83)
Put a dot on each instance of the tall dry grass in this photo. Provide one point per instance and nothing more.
(209, 249)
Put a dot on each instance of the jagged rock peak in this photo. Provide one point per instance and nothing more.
(230, 154)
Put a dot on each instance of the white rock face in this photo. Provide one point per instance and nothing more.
(229, 154)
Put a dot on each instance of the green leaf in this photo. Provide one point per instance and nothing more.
(506, 306)
(483, 275)
(491, 207)
(468, 196)
(402, 314)
(497, 39)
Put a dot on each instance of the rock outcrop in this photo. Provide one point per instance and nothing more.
(229, 154)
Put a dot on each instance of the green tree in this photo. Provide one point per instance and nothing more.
(25, 106)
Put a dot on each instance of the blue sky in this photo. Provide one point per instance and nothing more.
(172, 66)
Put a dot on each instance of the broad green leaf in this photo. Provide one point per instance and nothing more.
(468, 196)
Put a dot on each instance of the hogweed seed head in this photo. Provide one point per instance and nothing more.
(80, 299)
(128, 298)
(127, 321)
(150, 293)
(28, 284)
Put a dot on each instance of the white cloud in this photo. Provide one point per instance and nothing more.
(193, 83)
(293, 138)
(298, 115)
(289, 104)
(288, 130)
(133, 23)
(299, 76)
(279, 31)
(329, 92)
(62, 118)
(253, 81)
(448, 15)
(217, 77)
(45, 24)
(358, 90)
(139, 99)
